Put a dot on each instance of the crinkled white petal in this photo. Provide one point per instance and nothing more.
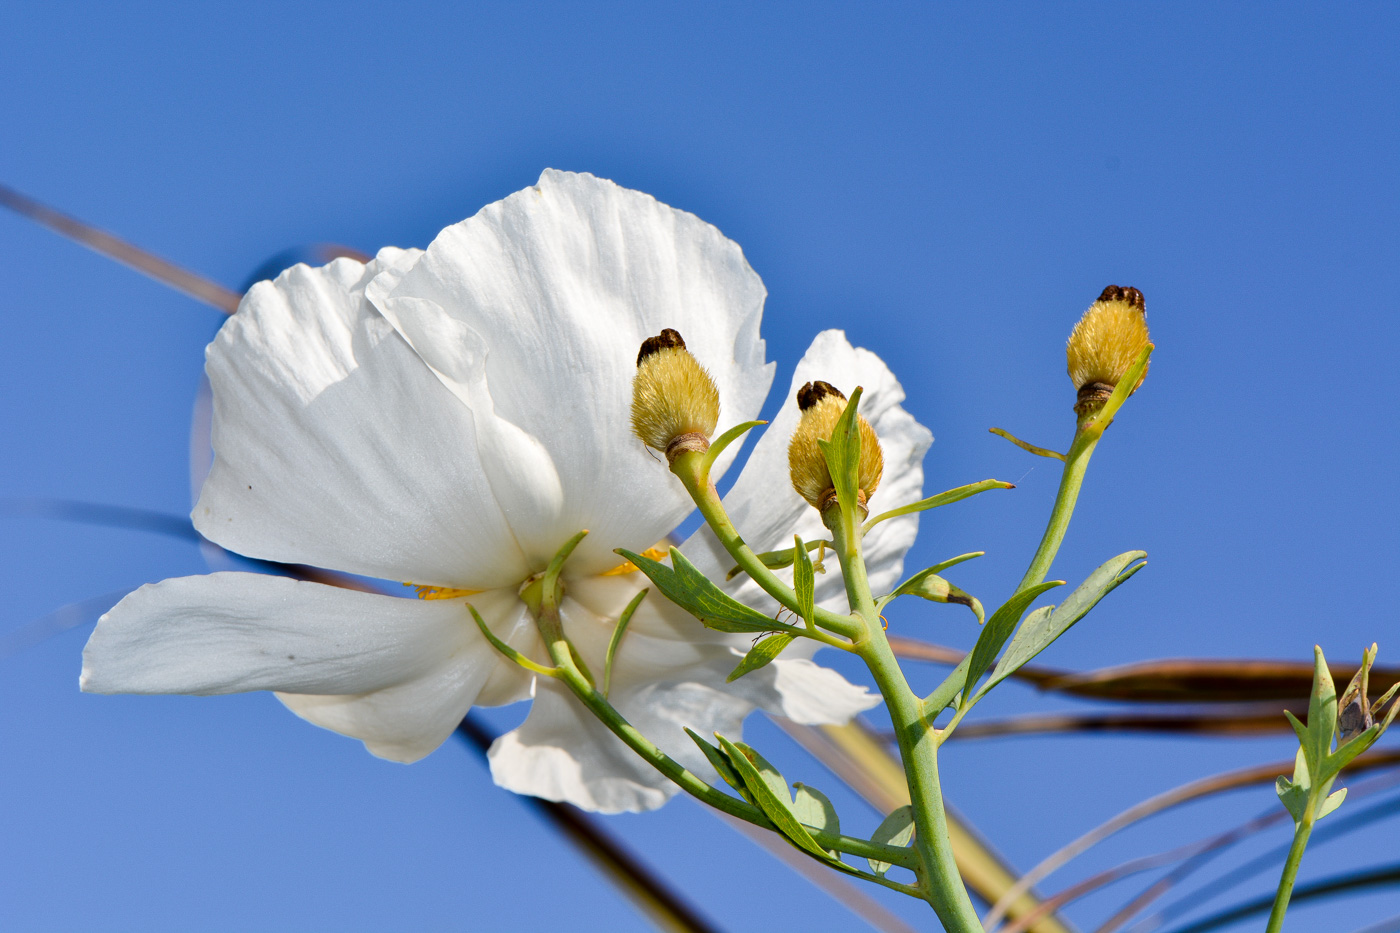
(668, 675)
(335, 445)
(532, 313)
(232, 632)
(766, 509)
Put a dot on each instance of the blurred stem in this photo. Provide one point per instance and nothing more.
(939, 879)
(691, 469)
(1301, 832)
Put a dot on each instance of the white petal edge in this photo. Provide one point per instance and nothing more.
(532, 312)
(336, 446)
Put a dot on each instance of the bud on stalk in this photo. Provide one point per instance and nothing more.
(675, 403)
(821, 405)
(1104, 344)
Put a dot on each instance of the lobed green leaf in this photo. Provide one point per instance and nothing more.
(804, 582)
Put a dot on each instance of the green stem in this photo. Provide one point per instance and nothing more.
(552, 631)
(939, 879)
(1290, 868)
(689, 467)
(1086, 438)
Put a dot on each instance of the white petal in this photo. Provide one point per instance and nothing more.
(231, 632)
(336, 446)
(804, 692)
(532, 312)
(406, 722)
(766, 509)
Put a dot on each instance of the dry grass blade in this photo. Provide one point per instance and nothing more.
(1223, 719)
(1173, 680)
(1216, 680)
(856, 755)
(824, 879)
(1338, 884)
(1190, 851)
(167, 273)
(60, 620)
(1194, 790)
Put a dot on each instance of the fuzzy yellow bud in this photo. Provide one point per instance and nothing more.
(1105, 343)
(675, 404)
(821, 405)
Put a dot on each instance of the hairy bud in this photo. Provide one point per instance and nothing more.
(1104, 344)
(821, 405)
(675, 404)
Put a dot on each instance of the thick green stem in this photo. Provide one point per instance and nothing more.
(1290, 869)
(689, 467)
(939, 878)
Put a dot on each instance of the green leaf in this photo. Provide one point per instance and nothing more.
(688, 588)
(776, 560)
(760, 655)
(722, 765)
(618, 631)
(1333, 801)
(1293, 796)
(813, 809)
(1041, 629)
(896, 830)
(997, 630)
(1322, 716)
(804, 582)
(770, 794)
(943, 498)
(724, 440)
(842, 453)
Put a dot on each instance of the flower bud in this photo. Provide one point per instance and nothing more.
(675, 404)
(821, 405)
(1105, 343)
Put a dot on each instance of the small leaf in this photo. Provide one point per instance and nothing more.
(842, 453)
(776, 560)
(760, 655)
(943, 498)
(769, 792)
(804, 582)
(814, 809)
(721, 764)
(896, 830)
(997, 630)
(618, 631)
(1322, 716)
(688, 588)
(1040, 631)
(1333, 801)
(1293, 796)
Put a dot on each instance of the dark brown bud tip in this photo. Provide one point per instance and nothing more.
(1125, 293)
(668, 339)
(814, 392)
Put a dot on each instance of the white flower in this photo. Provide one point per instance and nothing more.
(451, 417)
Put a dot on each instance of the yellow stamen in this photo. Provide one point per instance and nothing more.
(657, 552)
(441, 592)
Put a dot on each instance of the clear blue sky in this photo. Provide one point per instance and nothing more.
(952, 184)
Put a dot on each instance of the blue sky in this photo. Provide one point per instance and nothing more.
(952, 184)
